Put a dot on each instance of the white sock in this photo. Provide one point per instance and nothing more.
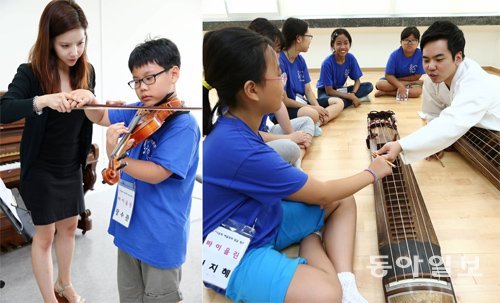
(317, 130)
(350, 293)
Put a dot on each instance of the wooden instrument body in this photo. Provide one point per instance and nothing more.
(481, 147)
(406, 238)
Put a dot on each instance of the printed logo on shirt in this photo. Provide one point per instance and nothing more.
(347, 72)
(413, 68)
(148, 148)
(300, 75)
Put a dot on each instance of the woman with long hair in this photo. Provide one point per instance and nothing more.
(55, 140)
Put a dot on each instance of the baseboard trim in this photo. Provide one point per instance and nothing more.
(491, 69)
(382, 69)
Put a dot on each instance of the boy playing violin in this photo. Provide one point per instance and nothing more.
(151, 235)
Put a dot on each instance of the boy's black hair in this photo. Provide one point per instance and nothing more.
(161, 51)
(338, 32)
(410, 30)
(293, 27)
(231, 57)
(269, 30)
(448, 31)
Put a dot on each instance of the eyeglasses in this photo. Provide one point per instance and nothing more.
(310, 36)
(282, 77)
(148, 80)
(406, 41)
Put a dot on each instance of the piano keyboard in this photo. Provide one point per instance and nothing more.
(10, 173)
(10, 166)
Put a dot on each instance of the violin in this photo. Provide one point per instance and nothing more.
(145, 123)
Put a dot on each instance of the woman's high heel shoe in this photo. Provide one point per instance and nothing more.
(61, 298)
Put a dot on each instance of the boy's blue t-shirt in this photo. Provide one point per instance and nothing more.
(335, 75)
(400, 66)
(159, 227)
(245, 180)
(297, 74)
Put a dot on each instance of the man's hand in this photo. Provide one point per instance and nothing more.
(390, 150)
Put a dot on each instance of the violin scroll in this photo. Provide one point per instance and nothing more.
(111, 174)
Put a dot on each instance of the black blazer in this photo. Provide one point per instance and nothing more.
(17, 103)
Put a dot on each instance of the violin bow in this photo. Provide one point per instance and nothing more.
(130, 107)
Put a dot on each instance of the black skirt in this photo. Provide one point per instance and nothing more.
(52, 196)
(53, 187)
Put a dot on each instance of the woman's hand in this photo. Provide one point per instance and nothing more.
(113, 134)
(80, 97)
(59, 101)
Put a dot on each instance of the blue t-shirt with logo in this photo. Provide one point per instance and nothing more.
(297, 74)
(159, 227)
(245, 180)
(400, 66)
(335, 75)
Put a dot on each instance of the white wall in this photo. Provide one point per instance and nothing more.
(115, 28)
(373, 45)
(497, 62)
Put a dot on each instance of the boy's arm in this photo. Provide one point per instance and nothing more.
(146, 171)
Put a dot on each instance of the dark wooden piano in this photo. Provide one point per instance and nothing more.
(10, 171)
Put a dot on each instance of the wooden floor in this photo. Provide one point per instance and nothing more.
(463, 205)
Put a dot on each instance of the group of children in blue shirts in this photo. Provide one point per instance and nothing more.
(248, 186)
(404, 69)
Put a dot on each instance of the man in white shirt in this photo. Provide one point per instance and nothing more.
(459, 96)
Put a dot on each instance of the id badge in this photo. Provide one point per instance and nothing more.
(223, 250)
(300, 98)
(124, 203)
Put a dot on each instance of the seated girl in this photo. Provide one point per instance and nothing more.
(335, 70)
(300, 99)
(248, 185)
(289, 138)
(404, 68)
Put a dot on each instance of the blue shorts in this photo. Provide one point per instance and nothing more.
(264, 273)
